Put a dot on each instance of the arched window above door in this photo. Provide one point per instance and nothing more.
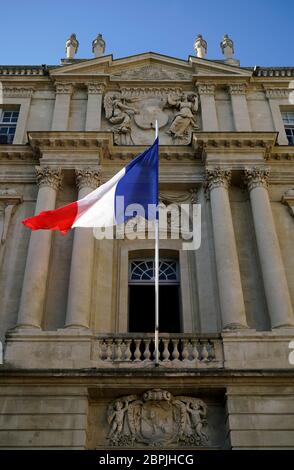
(144, 271)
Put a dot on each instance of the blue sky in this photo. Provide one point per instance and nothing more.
(34, 31)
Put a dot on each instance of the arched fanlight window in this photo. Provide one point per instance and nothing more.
(143, 271)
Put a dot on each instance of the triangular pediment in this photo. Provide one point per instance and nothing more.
(149, 66)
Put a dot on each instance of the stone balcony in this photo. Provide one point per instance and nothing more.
(179, 351)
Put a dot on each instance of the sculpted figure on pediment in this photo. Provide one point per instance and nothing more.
(119, 112)
(185, 120)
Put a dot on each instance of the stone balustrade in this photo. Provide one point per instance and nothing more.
(175, 351)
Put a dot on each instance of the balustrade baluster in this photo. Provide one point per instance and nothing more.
(175, 353)
(147, 353)
(128, 352)
(195, 354)
(137, 352)
(165, 353)
(185, 352)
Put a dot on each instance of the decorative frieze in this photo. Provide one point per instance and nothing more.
(277, 93)
(217, 177)
(17, 92)
(141, 92)
(256, 176)
(88, 178)
(47, 176)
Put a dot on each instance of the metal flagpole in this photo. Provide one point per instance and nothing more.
(156, 275)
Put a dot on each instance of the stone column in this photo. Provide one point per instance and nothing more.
(37, 263)
(273, 96)
(62, 107)
(80, 282)
(94, 107)
(239, 107)
(273, 273)
(227, 264)
(208, 108)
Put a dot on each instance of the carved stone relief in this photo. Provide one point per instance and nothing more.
(157, 419)
(152, 72)
(132, 113)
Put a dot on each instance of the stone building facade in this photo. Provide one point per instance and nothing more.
(78, 366)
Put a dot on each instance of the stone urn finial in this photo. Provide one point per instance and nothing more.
(98, 46)
(227, 47)
(71, 46)
(200, 46)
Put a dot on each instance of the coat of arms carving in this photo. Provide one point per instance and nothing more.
(157, 418)
(132, 116)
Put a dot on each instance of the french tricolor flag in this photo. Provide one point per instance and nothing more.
(136, 184)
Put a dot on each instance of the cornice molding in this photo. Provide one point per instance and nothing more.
(218, 142)
(16, 152)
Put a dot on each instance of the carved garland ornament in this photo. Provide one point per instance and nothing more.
(157, 419)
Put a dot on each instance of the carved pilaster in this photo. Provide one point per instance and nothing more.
(88, 178)
(47, 176)
(237, 89)
(206, 89)
(217, 177)
(95, 88)
(64, 88)
(255, 177)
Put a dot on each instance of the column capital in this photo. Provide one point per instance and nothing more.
(47, 176)
(256, 177)
(206, 88)
(63, 88)
(95, 88)
(237, 88)
(88, 178)
(217, 178)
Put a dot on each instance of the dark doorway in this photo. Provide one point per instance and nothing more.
(142, 309)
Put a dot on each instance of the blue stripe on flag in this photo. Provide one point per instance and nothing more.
(139, 185)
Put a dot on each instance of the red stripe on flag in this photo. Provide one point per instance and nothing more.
(59, 219)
